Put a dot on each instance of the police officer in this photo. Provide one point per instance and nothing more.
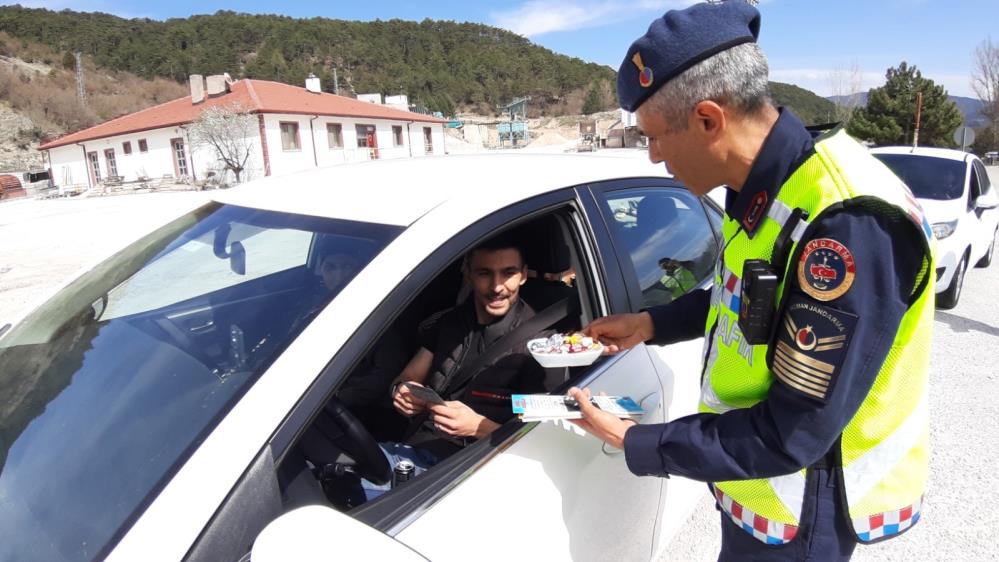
(812, 427)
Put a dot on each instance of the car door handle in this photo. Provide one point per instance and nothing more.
(614, 451)
(201, 328)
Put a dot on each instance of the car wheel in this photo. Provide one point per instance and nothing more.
(948, 299)
(987, 258)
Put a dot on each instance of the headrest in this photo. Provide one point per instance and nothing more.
(655, 210)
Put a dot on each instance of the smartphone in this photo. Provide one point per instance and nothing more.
(424, 393)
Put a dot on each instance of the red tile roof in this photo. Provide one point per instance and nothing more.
(257, 96)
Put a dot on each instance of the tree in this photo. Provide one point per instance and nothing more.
(890, 114)
(592, 103)
(228, 129)
(985, 83)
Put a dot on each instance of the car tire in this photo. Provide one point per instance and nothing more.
(987, 258)
(948, 299)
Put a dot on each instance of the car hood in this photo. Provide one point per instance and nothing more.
(937, 210)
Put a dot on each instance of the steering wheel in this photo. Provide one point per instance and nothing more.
(372, 464)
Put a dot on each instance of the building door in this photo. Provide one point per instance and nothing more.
(112, 166)
(179, 157)
(366, 138)
(428, 140)
(95, 168)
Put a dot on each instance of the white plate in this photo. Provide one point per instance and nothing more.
(554, 360)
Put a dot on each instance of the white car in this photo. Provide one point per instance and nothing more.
(203, 393)
(960, 203)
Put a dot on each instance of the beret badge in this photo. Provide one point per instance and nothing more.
(645, 77)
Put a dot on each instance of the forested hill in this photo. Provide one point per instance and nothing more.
(443, 64)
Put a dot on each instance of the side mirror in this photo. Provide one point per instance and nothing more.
(314, 531)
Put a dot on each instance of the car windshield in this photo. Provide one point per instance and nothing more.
(928, 177)
(109, 386)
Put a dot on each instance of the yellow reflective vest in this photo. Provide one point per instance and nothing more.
(884, 448)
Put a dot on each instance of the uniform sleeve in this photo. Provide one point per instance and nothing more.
(851, 334)
(682, 319)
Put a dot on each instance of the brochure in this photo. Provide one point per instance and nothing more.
(543, 407)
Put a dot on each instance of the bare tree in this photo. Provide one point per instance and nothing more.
(985, 81)
(228, 129)
(846, 85)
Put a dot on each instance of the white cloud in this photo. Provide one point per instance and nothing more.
(537, 17)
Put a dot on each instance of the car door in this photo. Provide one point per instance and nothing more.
(667, 242)
(551, 488)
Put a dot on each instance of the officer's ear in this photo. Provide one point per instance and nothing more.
(708, 119)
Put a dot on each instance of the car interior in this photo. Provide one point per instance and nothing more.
(341, 444)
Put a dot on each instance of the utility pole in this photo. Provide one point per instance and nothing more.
(919, 110)
(81, 92)
(336, 83)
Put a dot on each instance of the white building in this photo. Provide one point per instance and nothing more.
(299, 128)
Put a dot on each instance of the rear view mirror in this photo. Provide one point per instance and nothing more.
(237, 258)
(314, 532)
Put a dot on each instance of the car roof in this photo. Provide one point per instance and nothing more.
(401, 191)
(948, 153)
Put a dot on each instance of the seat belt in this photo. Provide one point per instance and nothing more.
(533, 325)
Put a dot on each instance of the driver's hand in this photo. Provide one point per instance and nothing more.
(455, 418)
(621, 331)
(406, 403)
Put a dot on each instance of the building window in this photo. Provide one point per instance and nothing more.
(112, 165)
(397, 136)
(126, 147)
(143, 147)
(428, 140)
(367, 138)
(334, 132)
(289, 136)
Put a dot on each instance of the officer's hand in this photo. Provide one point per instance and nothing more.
(621, 331)
(405, 402)
(604, 426)
(458, 420)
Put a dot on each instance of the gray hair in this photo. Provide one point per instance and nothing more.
(736, 78)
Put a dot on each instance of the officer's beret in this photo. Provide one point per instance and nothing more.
(679, 40)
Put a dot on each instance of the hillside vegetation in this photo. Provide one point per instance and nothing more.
(442, 64)
(812, 109)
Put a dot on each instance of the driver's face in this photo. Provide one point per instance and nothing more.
(495, 277)
(337, 269)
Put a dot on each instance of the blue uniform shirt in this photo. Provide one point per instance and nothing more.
(788, 430)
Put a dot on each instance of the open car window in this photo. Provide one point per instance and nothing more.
(560, 271)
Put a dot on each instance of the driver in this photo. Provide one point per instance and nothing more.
(337, 268)
(495, 271)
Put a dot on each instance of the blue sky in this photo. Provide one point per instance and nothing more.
(821, 45)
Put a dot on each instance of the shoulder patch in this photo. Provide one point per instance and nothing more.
(811, 343)
(826, 269)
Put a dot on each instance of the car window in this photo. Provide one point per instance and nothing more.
(983, 177)
(928, 177)
(975, 190)
(109, 386)
(668, 238)
(194, 269)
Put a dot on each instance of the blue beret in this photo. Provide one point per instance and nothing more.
(679, 40)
